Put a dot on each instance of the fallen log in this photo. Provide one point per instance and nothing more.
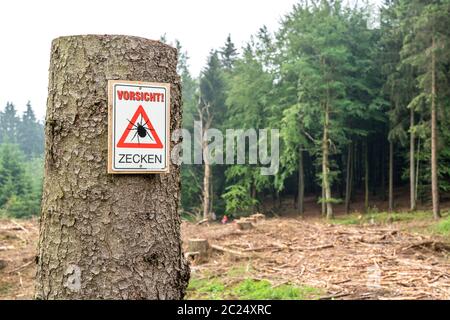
(202, 221)
(251, 219)
(4, 248)
(22, 267)
(334, 296)
(434, 245)
(230, 251)
(325, 246)
(258, 216)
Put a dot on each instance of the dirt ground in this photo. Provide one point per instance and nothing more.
(18, 243)
(348, 262)
(344, 261)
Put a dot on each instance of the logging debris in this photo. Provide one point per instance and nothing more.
(346, 261)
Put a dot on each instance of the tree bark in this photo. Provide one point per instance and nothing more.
(412, 164)
(301, 183)
(391, 176)
(206, 120)
(105, 236)
(206, 187)
(366, 177)
(383, 172)
(326, 166)
(434, 155)
(417, 171)
(348, 187)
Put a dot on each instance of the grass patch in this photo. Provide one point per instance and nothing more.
(262, 290)
(443, 227)
(5, 288)
(215, 289)
(382, 217)
(205, 289)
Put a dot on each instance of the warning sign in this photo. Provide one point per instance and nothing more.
(138, 127)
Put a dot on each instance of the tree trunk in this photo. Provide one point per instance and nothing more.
(366, 177)
(412, 164)
(417, 171)
(324, 207)
(105, 236)
(301, 183)
(383, 172)
(253, 195)
(391, 176)
(434, 156)
(348, 188)
(326, 166)
(206, 187)
(211, 194)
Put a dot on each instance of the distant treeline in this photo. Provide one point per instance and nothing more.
(361, 97)
(21, 162)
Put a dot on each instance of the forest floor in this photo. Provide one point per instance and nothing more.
(376, 256)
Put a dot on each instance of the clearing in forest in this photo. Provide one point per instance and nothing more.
(337, 260)
(281, 258)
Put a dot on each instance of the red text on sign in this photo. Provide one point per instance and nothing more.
(140, 96)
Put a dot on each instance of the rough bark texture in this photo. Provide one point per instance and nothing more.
(412, 164)
(391, 176)
(201, 246)
(301, 183)
(206, 120)
(348, 179)
(105, 236)
(244, 225)
(326, 166)
(366, 177)
(206, 189)
(434, 156)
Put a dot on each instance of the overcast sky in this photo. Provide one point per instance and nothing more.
(28, 27)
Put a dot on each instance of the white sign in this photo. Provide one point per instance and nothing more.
(138, 127)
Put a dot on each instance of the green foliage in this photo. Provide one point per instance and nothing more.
(205, 289)
(190, 188)
(263, 290)
(382, 217)
(249, 289)
(443, 227)
(228, 54)
(20, 183)
(25, 131)
(238, 200)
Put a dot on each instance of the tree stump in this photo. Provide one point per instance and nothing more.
(251, 219)
(258, 216)
(244, 225)
(200, 246)
(105, 236)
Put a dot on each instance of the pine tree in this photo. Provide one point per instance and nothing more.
(211, 113)
(424, 48)
(248, 103)
(9, 123)
(13, 180)
(30, 133)
(228, 54)
(190, 184)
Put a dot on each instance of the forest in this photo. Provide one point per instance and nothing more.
(360, 96)
(359, 207)
(21, 162)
